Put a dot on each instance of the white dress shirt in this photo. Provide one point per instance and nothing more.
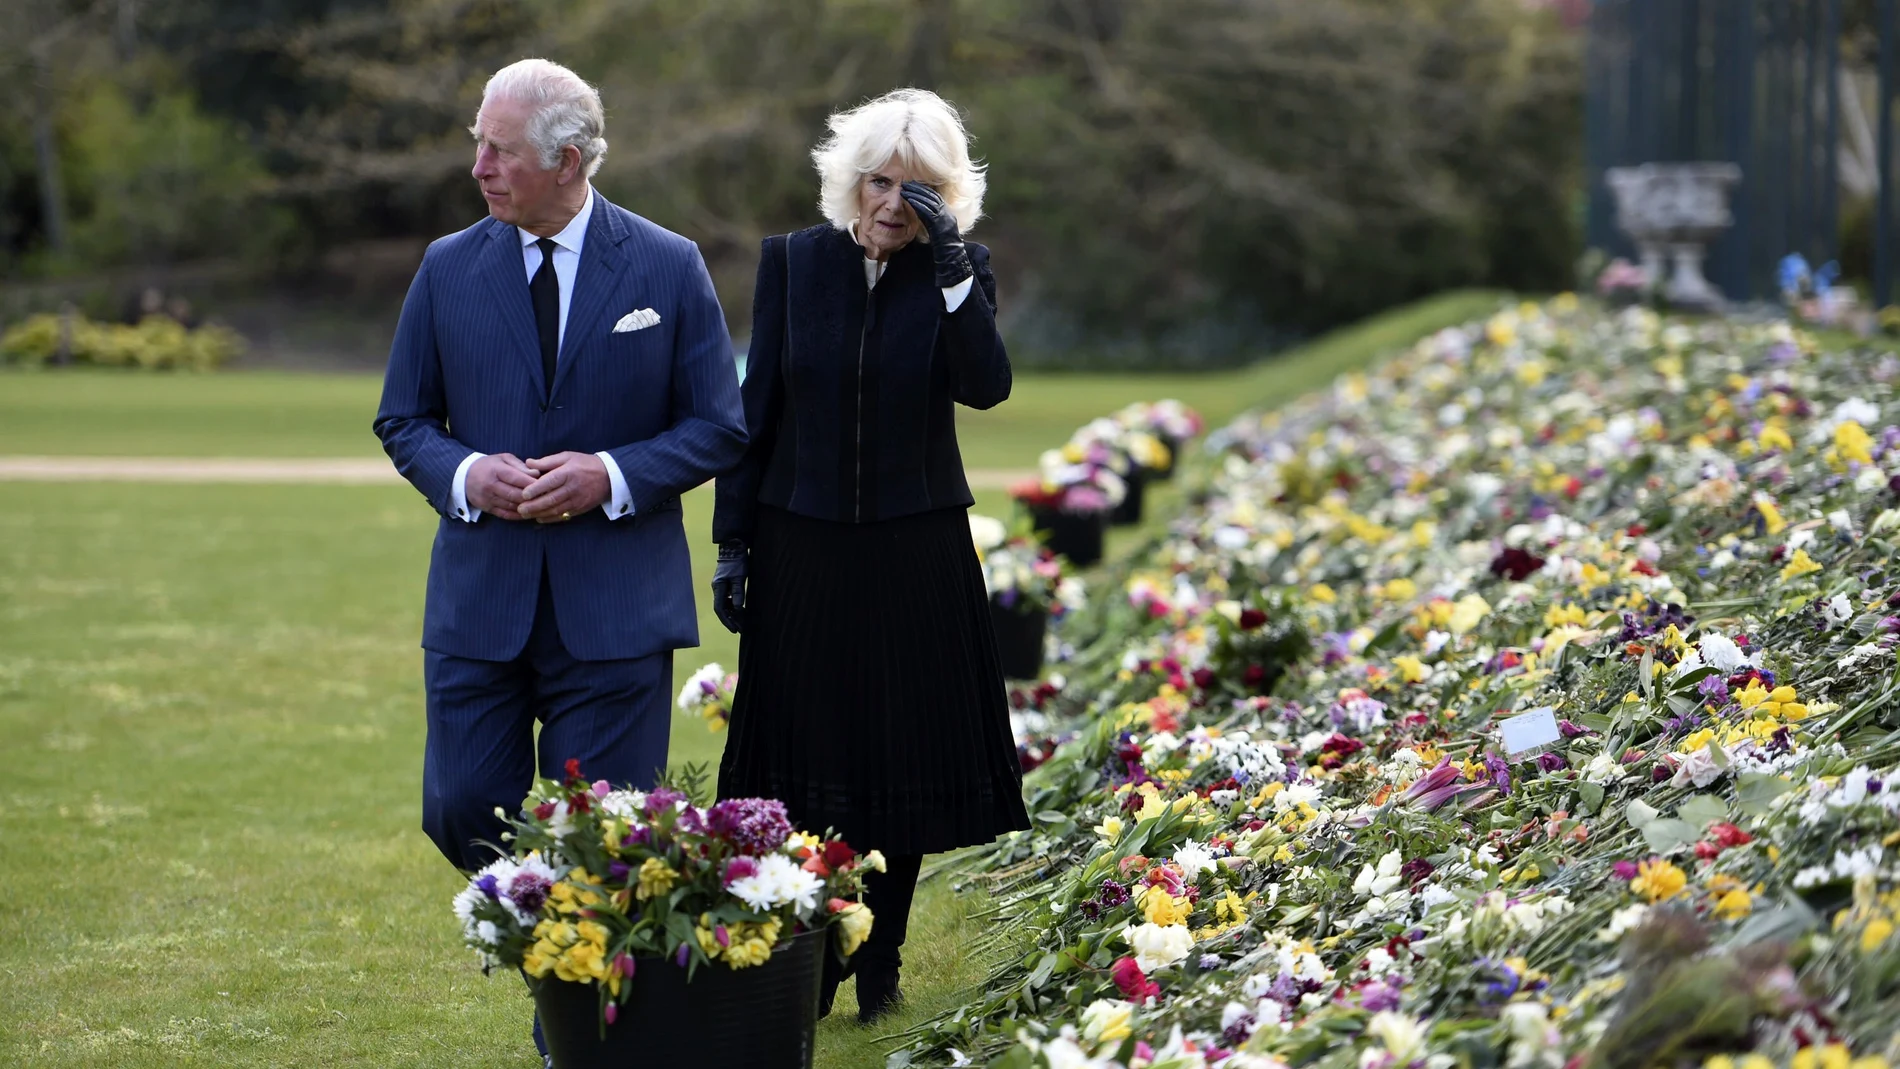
(874, 270)
(567, 262)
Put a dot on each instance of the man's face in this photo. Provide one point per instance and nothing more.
(509, 170)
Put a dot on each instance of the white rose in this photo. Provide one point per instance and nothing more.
(1159, 946)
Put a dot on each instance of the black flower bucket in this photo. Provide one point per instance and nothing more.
(1019, 640)
(764, 1017)
(1075, 535)
(1166, 471)
(1128, 513)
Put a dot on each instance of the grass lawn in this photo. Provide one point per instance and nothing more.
(209, 843)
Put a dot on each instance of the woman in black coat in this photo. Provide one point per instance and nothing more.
(870, 698)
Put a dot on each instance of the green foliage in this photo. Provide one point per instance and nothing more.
(156, 342)
(163, 181)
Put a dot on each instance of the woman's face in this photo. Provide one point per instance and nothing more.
(885, 223)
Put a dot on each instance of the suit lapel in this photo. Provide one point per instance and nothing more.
(507, 280)
(595, 282)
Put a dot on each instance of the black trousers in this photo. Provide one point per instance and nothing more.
(888, 896)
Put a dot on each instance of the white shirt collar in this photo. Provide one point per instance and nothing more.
(873, 269)
(574, 234)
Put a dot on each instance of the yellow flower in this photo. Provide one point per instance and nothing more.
(1695, 741)
(1770, 515)
(1401, 589)
(1110, 828)
(745, 953)
(1831, 1056)
(1567, 613)
(1411, 669)
(1107, 1021)
(1467, 613)
(656, 879)
(854, 926)
(1320, 592)
(1798, 565)
(1853, 442)
(1164, 909)
(1658, 879)
(1734, 905)
(1230, 908)
(1773, 437)
(875, 859)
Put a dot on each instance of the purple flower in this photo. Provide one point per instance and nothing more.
(690, 822)
(487, 883)
(755, 826)
(617, 871)
(679, 956)
(1625, 870)
(1113, 894)
(1414, 871)
(639, 836)
(1715, 689)
(739, 868)
(1500, 771)
(528, 890)
(1571, 731)
(661, 799)
(1442, 784)
(1551, 762)
(1380, 995)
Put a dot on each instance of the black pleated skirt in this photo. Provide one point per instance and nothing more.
(871, 699)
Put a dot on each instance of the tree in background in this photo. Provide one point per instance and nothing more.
(1179, 181)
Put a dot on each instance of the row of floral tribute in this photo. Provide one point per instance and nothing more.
(1529, 701)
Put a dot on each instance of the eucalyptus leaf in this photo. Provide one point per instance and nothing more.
(1667, 834)
(1702, 810)
(1640, 812)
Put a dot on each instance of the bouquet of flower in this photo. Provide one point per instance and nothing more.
(1076, 479)
(1167, 418)
(708, 695)
(602, 879)
(1024, 577)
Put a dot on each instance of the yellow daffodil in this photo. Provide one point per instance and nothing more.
(656, 879)
(1853, 443)
(1658, 879)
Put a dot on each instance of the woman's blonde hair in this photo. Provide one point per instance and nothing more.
(922, 131)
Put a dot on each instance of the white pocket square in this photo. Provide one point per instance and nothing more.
(638, 320)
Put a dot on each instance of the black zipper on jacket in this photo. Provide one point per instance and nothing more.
(857, 483)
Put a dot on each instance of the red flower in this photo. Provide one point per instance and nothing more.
(544, 811)
(1643, 567)
(573, 768)
(1133, 983)
(1251, 618)
(838, 853)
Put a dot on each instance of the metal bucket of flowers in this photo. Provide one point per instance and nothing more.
(634, 913)
(1027, 589)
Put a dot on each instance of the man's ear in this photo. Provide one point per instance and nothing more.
(570, 168)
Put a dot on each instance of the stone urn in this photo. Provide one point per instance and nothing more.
(1672, 211)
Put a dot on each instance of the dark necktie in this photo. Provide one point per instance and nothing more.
(545, 291)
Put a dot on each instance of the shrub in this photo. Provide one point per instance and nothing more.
(157, 342)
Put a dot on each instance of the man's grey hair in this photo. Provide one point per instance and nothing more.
(566, 111)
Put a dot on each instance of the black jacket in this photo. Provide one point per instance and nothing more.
(848, 391)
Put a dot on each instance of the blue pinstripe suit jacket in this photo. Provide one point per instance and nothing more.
(465, 374)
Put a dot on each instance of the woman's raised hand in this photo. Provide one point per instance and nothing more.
(946, 243)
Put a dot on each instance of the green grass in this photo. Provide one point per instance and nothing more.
(209, 841)
(284, 414)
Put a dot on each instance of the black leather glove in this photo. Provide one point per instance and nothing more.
(728, 585)
(946, 244)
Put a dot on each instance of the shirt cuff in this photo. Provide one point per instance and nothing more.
(621, 504)
(458, 494)
(953, 295)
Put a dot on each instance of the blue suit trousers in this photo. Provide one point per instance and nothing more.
(610, 715)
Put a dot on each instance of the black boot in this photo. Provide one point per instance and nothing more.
(888, 895)
(834, 973)
(877, 990)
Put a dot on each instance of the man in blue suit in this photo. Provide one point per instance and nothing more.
(560, 375)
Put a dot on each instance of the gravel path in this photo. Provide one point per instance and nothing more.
(333, 470)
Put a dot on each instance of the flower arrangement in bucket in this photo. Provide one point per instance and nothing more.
(1170, 422)
(1071, 499)
(707, 695)
(1027, 589)
(603, 883)
(1135, 453)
